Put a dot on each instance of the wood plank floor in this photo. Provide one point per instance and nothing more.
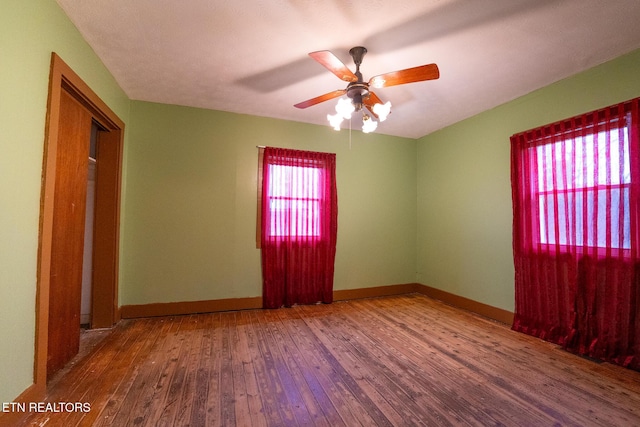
(393, 361)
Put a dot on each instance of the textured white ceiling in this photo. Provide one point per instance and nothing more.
(250, 57)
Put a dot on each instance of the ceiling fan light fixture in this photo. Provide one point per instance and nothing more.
(368, 124)
(345, 108)
(335, 121)
(382, 110)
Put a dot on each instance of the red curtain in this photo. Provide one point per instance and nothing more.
(298, 226)
(576, 232)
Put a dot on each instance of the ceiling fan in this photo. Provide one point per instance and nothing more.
(358, 91)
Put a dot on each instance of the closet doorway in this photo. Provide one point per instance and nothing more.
(74, 113)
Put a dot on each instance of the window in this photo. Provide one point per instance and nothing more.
(576, 232)
(574, 182)
(297, 226)
(294, 201)
(584, 179)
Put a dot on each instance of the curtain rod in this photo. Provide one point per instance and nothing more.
(261, 146)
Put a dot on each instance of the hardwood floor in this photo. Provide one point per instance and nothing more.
(393, 361)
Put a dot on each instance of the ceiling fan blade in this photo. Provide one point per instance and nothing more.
(333, 64)
(371, 100)
(321, 98)
(410, 75)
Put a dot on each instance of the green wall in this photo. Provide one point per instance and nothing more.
(464, 188)
(191, 196)
(29, 32)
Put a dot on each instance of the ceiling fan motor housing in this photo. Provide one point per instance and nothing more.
(358, 90)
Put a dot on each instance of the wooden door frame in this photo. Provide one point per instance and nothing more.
(62, 77)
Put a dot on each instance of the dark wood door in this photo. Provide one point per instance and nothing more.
(106, 229)
(68, 233)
